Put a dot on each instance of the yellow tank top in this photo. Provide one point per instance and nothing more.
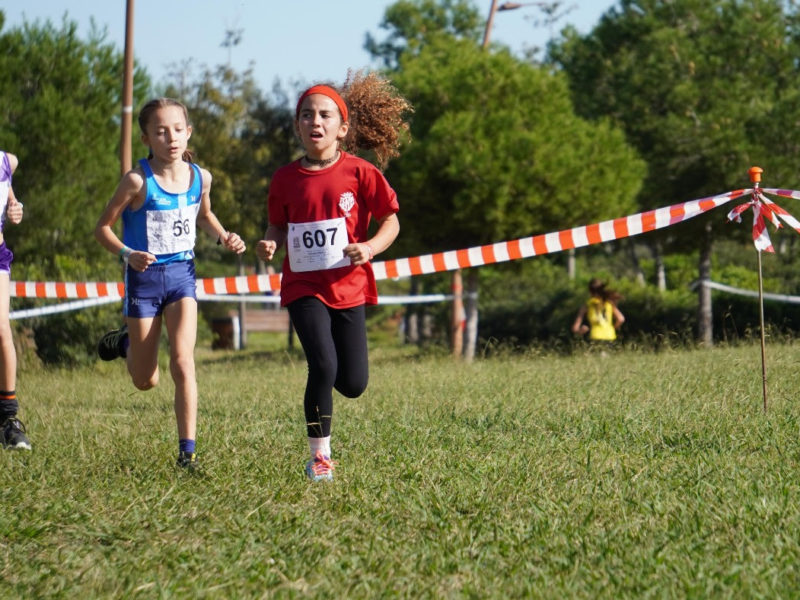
(600, 315)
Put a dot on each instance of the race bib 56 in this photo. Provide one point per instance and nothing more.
(170, 231)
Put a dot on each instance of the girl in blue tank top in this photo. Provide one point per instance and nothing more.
(165, 224)
(162, 201)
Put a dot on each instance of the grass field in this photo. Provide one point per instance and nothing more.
(631, 476)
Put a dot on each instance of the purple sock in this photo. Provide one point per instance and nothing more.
(186, 446)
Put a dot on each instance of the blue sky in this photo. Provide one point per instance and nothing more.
(298, 42)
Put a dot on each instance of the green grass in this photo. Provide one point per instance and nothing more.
(635, 475)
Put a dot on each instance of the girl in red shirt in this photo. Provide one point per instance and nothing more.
(320, 206)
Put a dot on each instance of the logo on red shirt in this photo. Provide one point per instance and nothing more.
(346, 202)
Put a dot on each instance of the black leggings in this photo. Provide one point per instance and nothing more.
(335, 344)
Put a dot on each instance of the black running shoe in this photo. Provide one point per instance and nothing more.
(14, 437)
(187, 460)
(111, 345)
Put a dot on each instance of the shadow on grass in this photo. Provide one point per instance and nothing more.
(239, 357)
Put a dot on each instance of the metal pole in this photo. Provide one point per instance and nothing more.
(490, 19)
(127, 94)
(457, 320)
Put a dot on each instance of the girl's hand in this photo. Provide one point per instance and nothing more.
(139, 261)
(358, 254)
(265, 249)
(14, 210)
(234, 243)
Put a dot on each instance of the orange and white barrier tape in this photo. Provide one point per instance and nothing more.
(116, 289)
(567, 239)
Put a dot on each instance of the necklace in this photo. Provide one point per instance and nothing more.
(321, 162)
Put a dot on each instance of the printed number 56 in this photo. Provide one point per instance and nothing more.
(180, 228)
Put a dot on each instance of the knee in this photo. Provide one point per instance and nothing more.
(352, 388)
(145, 383)
(5, 330)
(181, 367)
(323, 370)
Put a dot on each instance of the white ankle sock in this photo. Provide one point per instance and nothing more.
(322, 444)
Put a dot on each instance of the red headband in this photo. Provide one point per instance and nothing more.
(325, 90)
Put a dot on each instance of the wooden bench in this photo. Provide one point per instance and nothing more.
(264, 320)
(231, 334)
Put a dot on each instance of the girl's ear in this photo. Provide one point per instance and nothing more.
(188, 131)
(343, 129)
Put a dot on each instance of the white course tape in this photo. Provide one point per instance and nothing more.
(417, 299)
(750, 293)
(62, 307)
(90, 302)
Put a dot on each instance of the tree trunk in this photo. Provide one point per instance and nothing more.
(471, 304)
(661, 271)
(637, 267)
(571, 266)
(242, 308)
(705, 331)
(412, 317)
(457, 321)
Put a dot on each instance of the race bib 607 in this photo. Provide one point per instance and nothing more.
(318, 245)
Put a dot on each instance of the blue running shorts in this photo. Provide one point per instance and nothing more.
(148, 293)
(6, 256)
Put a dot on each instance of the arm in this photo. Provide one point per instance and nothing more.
(577, 326)
(363, 252)
(274, 238)
(13, 161)
(130, 188)
(13, 208)
(619, 318)
(208, 222)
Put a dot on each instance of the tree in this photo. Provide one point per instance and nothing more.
(699, 86)
(59, 112)
(414, 23)
(498, 152)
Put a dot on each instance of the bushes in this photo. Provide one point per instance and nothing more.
(544, 317)
(70, 338)
(534, 303)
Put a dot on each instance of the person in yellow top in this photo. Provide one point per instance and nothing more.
(601, 312)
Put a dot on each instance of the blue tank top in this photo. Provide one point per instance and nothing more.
(165, 225)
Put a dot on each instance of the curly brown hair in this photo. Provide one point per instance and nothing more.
(377, 112)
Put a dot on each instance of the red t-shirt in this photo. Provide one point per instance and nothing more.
(352, 188)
